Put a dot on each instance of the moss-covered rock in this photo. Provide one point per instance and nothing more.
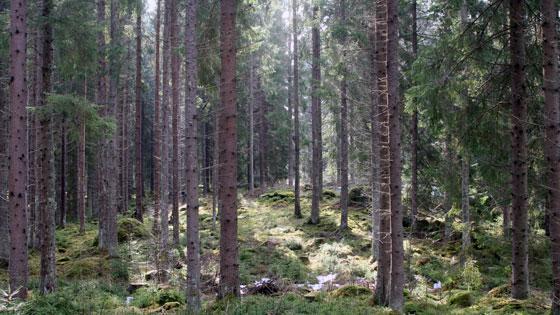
(359, 196)
(130, 229)
(277, 196)
(87, 268)
(329, 194)
(350, 291)
(461, 299)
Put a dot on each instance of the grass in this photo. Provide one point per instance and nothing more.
(274, 244)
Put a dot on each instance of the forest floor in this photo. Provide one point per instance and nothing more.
(287, 266)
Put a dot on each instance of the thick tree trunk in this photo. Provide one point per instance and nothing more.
(382, 292)
(47, 204)
(317, 168)
(17, 149)
(165, 133)
(157, 130)
(229, 260)
(297, 206)
(520, 227)
(397, 250)
(191, 158)
(175, 68)
(139, 178)
(414, 149)
(552, 138)
(4, 171)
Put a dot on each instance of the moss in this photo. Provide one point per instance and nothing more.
(350, 291)
(129, 229)
(328, 194)
(87, 268)
(359, 195)
(461, 299)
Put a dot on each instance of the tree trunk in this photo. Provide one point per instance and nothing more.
(263, 133)
(175, 68)
(17, 149)
(343, 131)
(374, 110)
(251, 125)
(47, 204)
(317, 168)
(157, 135)
(4, 171)
(414, 149)
(191, 158)
(290, 120)
(297, 206)
(396, 301)
(506, 224)
(165, 133)
(552, 138)
(81, 175)
(384, 260)
(466, 235)
(63, 150)
(139, 178)
(229, 260)
(520, 228)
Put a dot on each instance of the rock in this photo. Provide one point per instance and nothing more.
(132, 287)
(462, 299)
(171, 305)
(153, 274)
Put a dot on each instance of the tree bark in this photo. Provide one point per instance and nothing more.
(552, 138)
(81, 175)
(157, 130)
(251, 125)
(466, 233)
(63, 153)
(191, 158)
(382, 285)
(343, 130)
(139, 178)
(17, 149)
(229, 260)
(290, 120)
(175, 68)
(414, 149)
(297, 206)
(520, 228)
(374, 133)
(317, 168)
(47, 204)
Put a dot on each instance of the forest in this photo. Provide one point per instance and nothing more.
(279, 157)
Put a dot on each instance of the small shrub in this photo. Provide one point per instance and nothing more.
(471, 276)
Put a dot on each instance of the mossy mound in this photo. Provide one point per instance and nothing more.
(359, 196)
(87, 268)
(350, 291)
(278, 196)
(461, 299)
(130, 229)
(329, 194)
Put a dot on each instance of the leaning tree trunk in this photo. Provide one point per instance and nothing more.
(191, 161)
(552, 138)
(520, 227)
(139, 176)
(17, 149)
(229, 260)
(297, 206)
(46, 181)
(316, 118)
(382, 285)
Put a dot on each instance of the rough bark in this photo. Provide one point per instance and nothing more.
(290, 120)
(17, 149)
(552, 138)
(414, 149)
(465, 210)
(251, 125)
(263, 137)
(157, 129)
(343, 130)
(62, 197)
(520, 228)
(46, 181)
(384, 261)
(4, 171)
(229, 260)
(81, 175)
(165, 75)
(316, 169)
(191, 158)
(175, 68)
(297, 206)
(139, 170)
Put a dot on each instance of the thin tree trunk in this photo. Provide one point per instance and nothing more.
(139, 115)
(343, 130)
(316, 118)
(191, 158)
(81, 175)
(47, 205)
(63, 153)
(520, 228)
(374, 110)
(466, 233)
(157, 130)
(251, 125)
(229, 260)
(18, 163)
(290, 120)
(552, 138)
(382, 285)
(297, 206)
(175, 68)
(414, 149)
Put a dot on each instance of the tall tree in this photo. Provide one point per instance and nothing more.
(414, 148)
(343, 128)
(46, 182)
(191, 158)
(157, 134)
(552, 137)
(229, 260)
(175, 68)
(384, 237)
(374, 141)
(317, 168)
(251, 124)
(297, 206)
(520, 228)
(18, 146)
(81, 174)
(138, 137)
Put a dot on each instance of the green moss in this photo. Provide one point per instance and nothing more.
(350, 291)
(461, 299)
(328, 194)
(129, 229)
(86, 268)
